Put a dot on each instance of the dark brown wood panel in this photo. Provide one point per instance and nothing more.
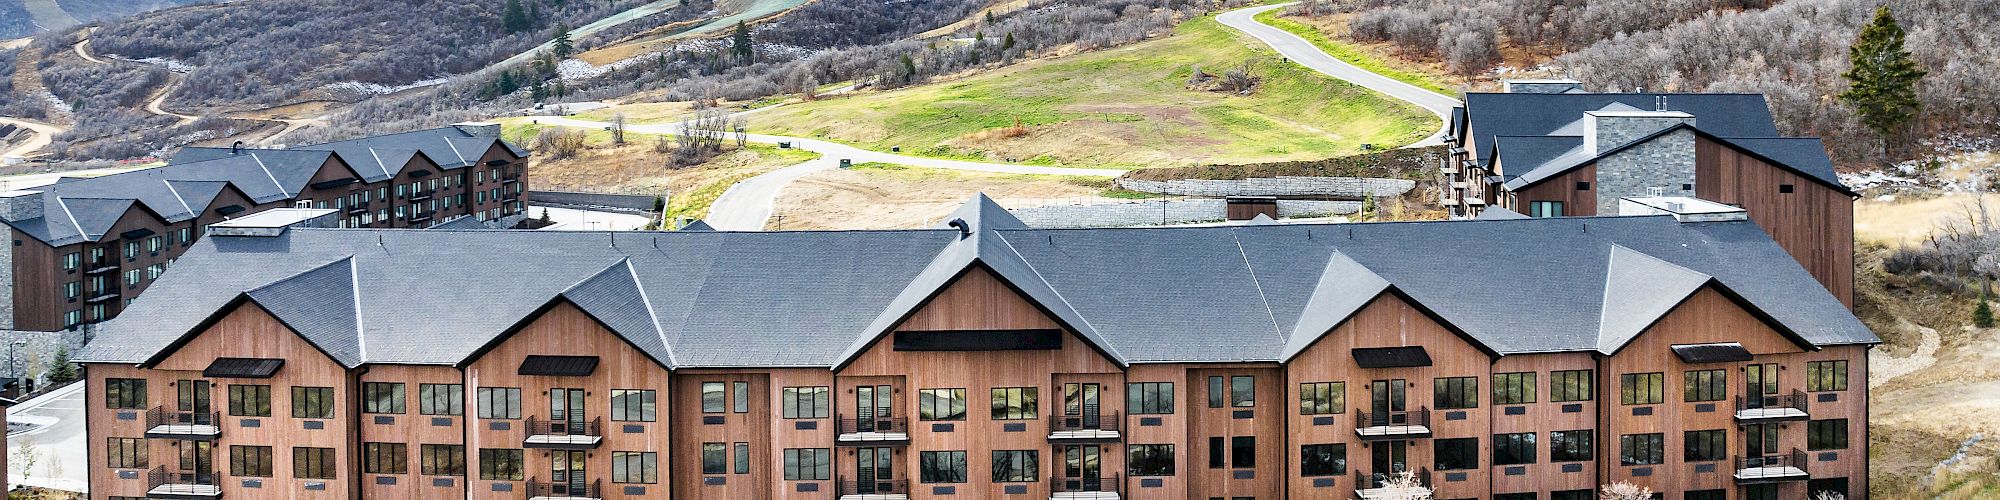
(1814, 222)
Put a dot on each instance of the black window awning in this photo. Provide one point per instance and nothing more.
(230, 209)
(333, 183)
(497, 163)
(559, 366)
(1724, 352)
(136, 233)
(1391, 357)
(243, 368)
(979, 340)
(420, 173)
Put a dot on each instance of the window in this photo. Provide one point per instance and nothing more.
(126, 453)
(1322, 398)
(1242, 392)
(1706, 495)
(385, 458)
(742, 458)
(442, 459)
(250, 400)
(153, 244)
(131, 250)
(1826, 375)
(1642, 388)
(1573, 495)
(1569, 385)
(499, 402)
(1513, 388)
(72, 289)
(1015, 466)
(187, 235)
(313, 463)
(634, 405)
(1826, 434)
(941, 404)
(132, 277)
(1786, 188)
(1323, 460)
(154, 271)
(441, 399)
(941, 466)
(1837, 486)
(1215, 392)
(1704, 446)
(742, 395)
(1457, 454)
(1514, 496)
(714, 458)
(249, 461)
(630, 467)
(72, 260)
(500, 464)
(125, 393)
(1243, 452)
(1572, 446)
(1642, 449)
(1582, 185)
(382, 397)
(1457, 392)
(1545, 209)
(1149, 398)
(805, 402)
(1013, 403)
(712, 397)
(1150, 459)
(1707, 385)
(312, 402)
(1215, 445)
(1514, 449)
(808, 464)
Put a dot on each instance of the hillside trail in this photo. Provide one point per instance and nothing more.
(1306, 54)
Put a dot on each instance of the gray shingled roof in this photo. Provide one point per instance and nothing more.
(1140, 295)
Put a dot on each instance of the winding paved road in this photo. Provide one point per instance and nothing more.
(44, 133)
(1306, 54)
(748, 204)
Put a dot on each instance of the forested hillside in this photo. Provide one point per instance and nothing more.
(1794, 51)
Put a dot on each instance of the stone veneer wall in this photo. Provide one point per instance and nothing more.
(1665, 162)
(1343, 187)
(1164, 212)
(7, 278)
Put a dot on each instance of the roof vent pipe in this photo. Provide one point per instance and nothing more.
(963, 228)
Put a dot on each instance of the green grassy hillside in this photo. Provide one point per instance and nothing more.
(1127, 107)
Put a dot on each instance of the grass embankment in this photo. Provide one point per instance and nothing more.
(1123, 107)
(1352, 54)
(636, 168)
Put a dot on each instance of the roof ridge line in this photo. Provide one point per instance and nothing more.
(360, 333)
(1255, 282)
(651, 314)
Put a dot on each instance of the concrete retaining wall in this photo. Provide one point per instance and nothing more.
(1341, 187)
(570, 199)
(1163, 212)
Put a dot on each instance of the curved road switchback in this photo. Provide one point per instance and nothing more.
(44, 134)
(1306, 54)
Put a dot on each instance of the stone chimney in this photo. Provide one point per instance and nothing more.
(1541, 86)
(478, 129)
(1661, 166)
(1607, 130)
(16, 206)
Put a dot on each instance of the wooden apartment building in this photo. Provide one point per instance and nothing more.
(986, 360)
(84, 248)
(1549, 149)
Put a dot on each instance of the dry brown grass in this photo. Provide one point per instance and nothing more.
(888, 197)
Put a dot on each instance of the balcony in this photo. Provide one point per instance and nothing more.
(880, 489)
(1086, 427)
(1387, 485)
(538, 490)
(181, 485)
(1772, 468)
(103, 296)
(198, 426)
(856, 432)
(1772, 407)
(103, 267)
(416, 196)
(1381, 426)
(1080, 488)
(564, 435)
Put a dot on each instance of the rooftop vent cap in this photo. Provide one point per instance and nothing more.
(964, 229)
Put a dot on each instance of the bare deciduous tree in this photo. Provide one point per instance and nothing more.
(1624, 491)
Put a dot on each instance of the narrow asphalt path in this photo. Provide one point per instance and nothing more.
(747, 205)
(1306, 54)
(608, 22)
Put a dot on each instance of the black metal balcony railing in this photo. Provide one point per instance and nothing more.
(1381, 479)
(159, 416)
(875, 487)
(593, 489)
(1796, 459)
(1796, 400)
(160, 476)
(1409, 418)
(539, 427)
(1086, 484)
(1086, 421)
(879, 424)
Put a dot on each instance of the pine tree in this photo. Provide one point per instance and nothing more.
(909, 68)
(1008, 44)
(1883, 81)
(513, 18)
(1982, 314)
(740, 44)
(61, 370)
(562, 45)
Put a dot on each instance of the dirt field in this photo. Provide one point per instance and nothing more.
(635, 168)
(892, 196)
